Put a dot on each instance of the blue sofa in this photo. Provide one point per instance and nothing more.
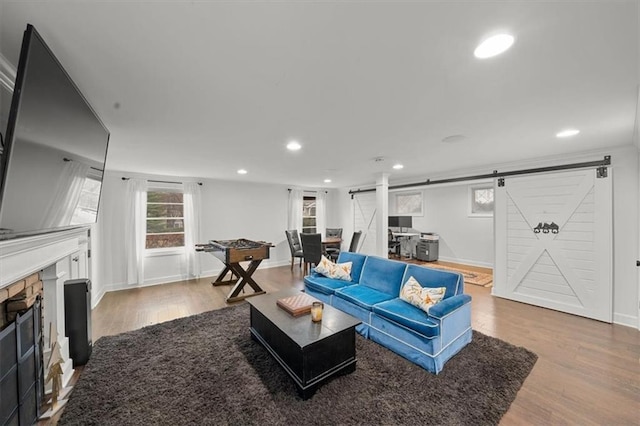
(427, 339)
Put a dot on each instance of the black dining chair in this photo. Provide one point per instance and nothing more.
(294, 245)
(353, 245)
(355, 239)
(332, 250)
(311, 249)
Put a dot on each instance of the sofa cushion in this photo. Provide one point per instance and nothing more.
(408, 315)
(339, 271)
(362, 296)
(419, 296)
(357, 261)
(383, 275)
(323, 284)
(430, 277)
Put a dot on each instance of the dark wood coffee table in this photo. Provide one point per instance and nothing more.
(309, 352)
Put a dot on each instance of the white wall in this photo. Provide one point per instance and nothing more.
(244, 210)
(463, 239)
(626, 221)
(230, 210)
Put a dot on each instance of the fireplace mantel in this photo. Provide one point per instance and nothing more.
(20, 257)
(61, 256)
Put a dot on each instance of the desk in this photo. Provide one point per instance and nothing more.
(405, 238)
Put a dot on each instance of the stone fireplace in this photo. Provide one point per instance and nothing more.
(56, 257)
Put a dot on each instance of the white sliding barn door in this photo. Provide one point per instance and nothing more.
(567, 268)
(364, 214)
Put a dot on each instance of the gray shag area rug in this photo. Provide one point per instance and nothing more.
(206, 370)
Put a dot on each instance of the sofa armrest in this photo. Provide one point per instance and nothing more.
(447, 306)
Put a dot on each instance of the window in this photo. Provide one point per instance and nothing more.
(86, 210)
(309, 215)
(409, 204)
(165, 219)
(481, 201)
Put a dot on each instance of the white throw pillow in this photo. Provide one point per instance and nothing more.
(422, 297)
(340, 271)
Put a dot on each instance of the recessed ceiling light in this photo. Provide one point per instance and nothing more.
(567, 133)
(293, 146)
(493, 46)
(242, 172)
(398, 166)
(327, 181)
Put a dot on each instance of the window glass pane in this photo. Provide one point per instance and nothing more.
(87, 207)
(164, 240)
(482, 200)
(309, 206)
(165, 219)
(164, 197)
(308, 221)
(155, 226)
(309, 215)
(165, 210)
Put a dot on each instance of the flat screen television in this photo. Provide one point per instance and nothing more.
(55, 148)
(400, 221)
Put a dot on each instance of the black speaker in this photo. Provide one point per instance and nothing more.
(77, 319)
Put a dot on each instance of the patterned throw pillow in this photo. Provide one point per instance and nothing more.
(340, 271)
(422, 297)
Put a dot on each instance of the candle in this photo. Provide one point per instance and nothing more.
(316, 311)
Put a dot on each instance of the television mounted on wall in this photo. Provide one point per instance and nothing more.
(55, 148)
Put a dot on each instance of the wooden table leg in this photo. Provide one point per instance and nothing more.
(245, 278)
(220, 280)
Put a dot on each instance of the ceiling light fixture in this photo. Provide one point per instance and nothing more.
(398, 166)
(293, 146)
(567, 133)
(327, 181)
(242, 172)
(493, 46)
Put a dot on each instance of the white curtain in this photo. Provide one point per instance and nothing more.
(67, 194)
(192, 203)
(295, 209)
(136, 229)
(321, 212)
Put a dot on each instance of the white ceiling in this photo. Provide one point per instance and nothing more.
(201, 89)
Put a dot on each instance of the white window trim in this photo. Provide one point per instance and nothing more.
(470, 190)
(164, 251)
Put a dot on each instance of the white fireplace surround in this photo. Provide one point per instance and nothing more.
(61, 256)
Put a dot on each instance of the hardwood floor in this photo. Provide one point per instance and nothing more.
(588, 372)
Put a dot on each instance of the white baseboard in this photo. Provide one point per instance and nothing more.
(467, 262)
(96, 298)
(171, 279)
(626, 320)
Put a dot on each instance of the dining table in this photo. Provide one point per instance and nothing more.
(331, 242)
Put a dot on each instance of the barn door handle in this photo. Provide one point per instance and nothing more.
(546, 228)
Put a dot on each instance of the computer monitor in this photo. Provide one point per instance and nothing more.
(400, 222)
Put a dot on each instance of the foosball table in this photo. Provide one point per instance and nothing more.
(231, 253)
